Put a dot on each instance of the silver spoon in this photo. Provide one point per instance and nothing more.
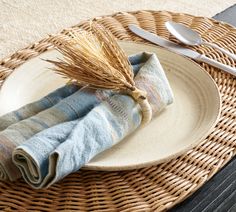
(190, 37)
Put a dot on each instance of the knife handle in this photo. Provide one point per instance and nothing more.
(217, 64)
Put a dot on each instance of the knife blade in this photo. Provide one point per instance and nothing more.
(179, 49)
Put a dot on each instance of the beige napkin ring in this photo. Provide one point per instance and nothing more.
(140, 97)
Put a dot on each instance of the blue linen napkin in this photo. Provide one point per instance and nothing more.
(56, 152)
(65, 104)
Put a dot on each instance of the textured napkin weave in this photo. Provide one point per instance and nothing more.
(58, 151)
(36, 107)
(18, 126)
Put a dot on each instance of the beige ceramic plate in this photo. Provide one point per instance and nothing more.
(178, 128)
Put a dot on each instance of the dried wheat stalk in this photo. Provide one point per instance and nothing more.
(96, 60)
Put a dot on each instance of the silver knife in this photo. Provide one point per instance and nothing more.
(179, 49)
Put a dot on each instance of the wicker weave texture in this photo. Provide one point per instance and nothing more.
(154, 188)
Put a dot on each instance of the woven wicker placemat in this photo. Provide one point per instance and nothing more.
(154, 188)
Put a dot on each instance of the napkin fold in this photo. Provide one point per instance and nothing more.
(8, 137)
(65, 104)
(58, 151)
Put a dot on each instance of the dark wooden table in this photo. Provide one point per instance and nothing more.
(219, 193)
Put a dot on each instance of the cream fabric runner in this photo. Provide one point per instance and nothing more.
(24, 22)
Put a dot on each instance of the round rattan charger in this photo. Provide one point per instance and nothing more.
(155, 188)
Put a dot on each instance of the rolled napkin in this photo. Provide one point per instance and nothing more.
(36, 107)
(58, 151)
(22, 124)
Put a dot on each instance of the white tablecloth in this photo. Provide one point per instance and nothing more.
(25, 21)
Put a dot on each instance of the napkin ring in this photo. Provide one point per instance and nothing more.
(140, 97)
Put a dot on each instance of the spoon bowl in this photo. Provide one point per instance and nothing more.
(184, 33)
(190, 37)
